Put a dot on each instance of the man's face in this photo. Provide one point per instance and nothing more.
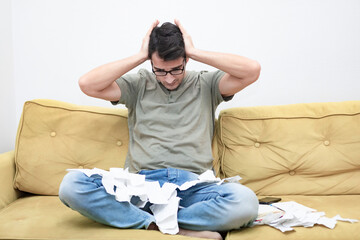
(160, 67)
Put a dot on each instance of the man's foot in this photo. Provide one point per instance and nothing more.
(191, 233)
(153, 226)
(200, 234)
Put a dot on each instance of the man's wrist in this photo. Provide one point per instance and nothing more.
(199, 55)
(192, 53)
(142, 57)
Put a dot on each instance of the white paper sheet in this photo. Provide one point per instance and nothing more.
(286, 215)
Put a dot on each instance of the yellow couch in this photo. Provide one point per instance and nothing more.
(308, 153)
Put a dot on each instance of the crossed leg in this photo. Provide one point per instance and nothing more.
(205, 210)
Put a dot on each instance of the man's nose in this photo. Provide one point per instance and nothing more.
(169, 78)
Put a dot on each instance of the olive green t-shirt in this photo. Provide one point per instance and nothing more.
(170, 128)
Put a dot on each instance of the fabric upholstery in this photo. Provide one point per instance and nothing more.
(306, 149)
(7, 171)
(54, 136)
(46, 217)
(344, 205)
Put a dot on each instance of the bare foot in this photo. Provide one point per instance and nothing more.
(200, 234)
(153, 226)
(191, 233)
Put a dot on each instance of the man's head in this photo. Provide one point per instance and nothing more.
(167, 41)
(167, 54)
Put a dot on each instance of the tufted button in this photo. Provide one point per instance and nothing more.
(257, 144)
(119, 143)
(53, 134)
(326, 143)
(292, 173)
(81, 167)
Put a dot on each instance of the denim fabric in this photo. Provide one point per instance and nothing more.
(202, 207)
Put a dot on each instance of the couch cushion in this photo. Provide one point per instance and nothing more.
(54, 136)
(346, 206)
(45, 217)
(305, 149)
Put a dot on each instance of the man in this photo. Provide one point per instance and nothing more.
(171, 121)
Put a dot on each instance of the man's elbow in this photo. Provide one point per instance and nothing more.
(256, 69)
(84, 85)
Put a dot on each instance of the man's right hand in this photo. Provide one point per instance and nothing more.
(144, 51)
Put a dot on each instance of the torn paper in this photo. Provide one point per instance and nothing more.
(286, 215)
(165, 203)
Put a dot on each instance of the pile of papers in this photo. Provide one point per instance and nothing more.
(286, 215)
(165, 203)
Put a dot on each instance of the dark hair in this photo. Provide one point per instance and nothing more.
(167, 41)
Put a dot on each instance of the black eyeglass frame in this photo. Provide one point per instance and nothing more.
(166, 72)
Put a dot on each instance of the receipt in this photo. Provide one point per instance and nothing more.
(208, 177)
(166, 215)
(286, 215)
(165, 203)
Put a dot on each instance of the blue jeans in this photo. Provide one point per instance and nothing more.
(202, 207)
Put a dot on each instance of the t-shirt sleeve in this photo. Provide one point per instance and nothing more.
(213, 79)
(129, 86)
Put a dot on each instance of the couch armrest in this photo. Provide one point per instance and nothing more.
(7, 173)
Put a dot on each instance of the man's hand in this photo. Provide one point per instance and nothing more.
(240, 71)
(189, 46)
(144, 51)
(100, 82)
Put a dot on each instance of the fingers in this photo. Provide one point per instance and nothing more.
(182, 29)
(189, 46)
(153, 25)
(146, 39)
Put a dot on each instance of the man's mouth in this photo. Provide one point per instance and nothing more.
(172, 83)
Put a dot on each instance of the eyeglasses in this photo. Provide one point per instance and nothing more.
(172, 72)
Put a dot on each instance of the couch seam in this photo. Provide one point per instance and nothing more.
(75, 110)
(272, 118)
(223, 147)
(21, 124)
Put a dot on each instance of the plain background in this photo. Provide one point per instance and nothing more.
(309, 50)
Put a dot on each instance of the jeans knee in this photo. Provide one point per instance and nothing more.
(252, 208)
(246, 204)
(67, 189)
(250, 199)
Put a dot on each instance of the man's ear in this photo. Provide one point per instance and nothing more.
(187, 59)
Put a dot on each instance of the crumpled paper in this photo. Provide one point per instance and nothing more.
(286, 215)
(165, 203)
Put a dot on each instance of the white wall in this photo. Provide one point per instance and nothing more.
(8, 121)
(309, 49)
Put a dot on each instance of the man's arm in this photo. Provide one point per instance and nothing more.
(240, 71)
(100, 82)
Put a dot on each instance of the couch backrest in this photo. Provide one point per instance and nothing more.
(309, 149)
(54, 136)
